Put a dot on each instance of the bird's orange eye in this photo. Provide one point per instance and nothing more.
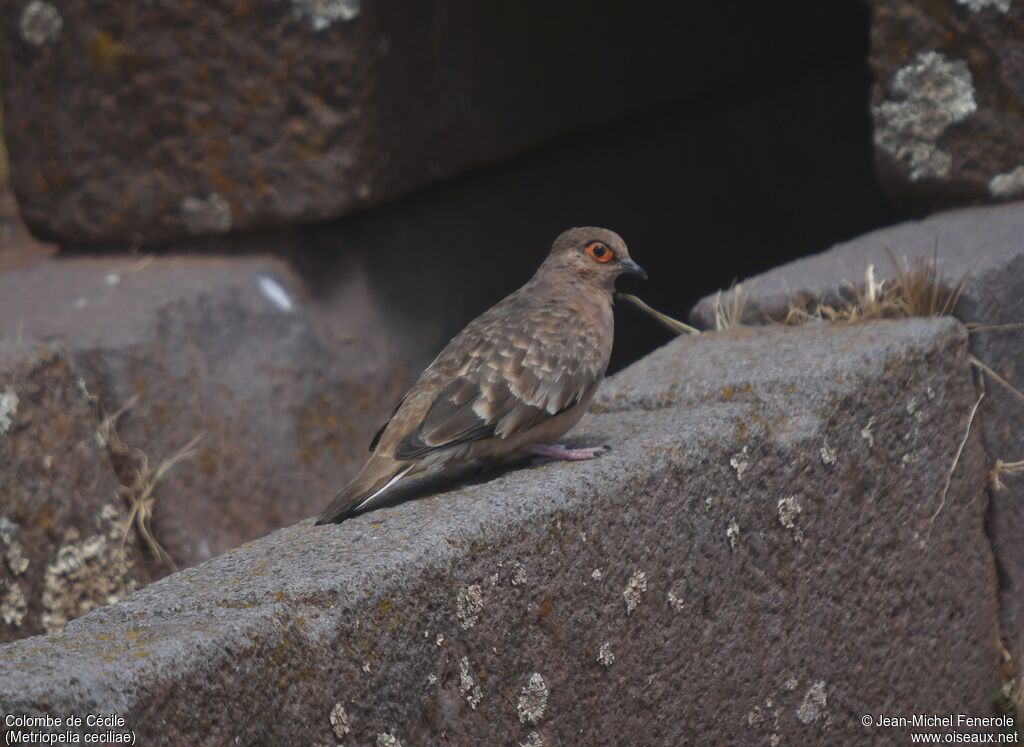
(599, 252)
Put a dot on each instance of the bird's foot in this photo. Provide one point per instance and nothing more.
(554, 452)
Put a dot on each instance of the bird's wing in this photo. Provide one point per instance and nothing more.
(508, 371)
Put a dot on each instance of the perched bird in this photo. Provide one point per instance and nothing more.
(511, 383)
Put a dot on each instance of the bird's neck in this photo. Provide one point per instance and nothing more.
(591, 300)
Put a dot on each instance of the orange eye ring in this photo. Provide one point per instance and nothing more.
(599, 252)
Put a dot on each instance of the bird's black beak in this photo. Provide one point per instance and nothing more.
(629, 267)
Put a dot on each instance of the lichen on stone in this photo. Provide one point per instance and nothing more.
(605, 655)
(533, 739)
(468, 685)
(40, 23)
(928, 96)
(387, 739)
(518, 574)
(732, 533)
(978, 5)
(813, 706)
(7, 530)
(829, 455)
(322, 14)
(87, 573)
(635, 588)
(1008, 184)
(675, 601)
(740, 462)
(789, 511)
(204, 215)
(16, 561)
(13, 606)
(339, 721)
(468, 604)
(596, 575)
(8, 409)
(533, 700)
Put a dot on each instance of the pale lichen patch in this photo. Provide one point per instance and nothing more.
(203, 215)
(8, 409)
(675, 601)
(387, 739)
(740, 462)
(468, 685)
(13, 606)
(7, 530)
(596, 575)
(755, 716)
(813, 706)
(978, 5)
(789, 512)
(928, 95)
(829, 455)
(533, 739)
(322, 14)
(635, 588)
(533, 700)
(732, 533)
(468, 604)
(518, 574)
(1007, 184)
(88, 573)
(40, 23)
(339, 721)
(604, 655)
(17, 563)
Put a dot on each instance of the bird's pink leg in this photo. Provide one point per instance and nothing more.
(557, 451)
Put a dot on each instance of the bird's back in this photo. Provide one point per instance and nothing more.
(528, 357)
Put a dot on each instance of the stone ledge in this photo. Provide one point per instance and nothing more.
(986, 242)
(719, 577)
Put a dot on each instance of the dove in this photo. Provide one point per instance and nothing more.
(511, 383)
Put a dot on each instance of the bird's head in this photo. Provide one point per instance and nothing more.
(595, 256)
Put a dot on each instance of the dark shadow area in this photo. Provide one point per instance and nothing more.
(704, 193)
(712, 189)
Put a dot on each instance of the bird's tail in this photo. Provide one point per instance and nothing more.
(374, 480)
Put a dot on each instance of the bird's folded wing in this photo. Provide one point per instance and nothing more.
(503, 385)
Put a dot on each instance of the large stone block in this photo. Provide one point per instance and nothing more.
(754, 561)
(947, 99)
(985, 242)
(61, 520)
(283, 390)
(188, 118)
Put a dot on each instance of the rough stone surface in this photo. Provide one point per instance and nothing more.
(986, 242)
(201, 117)
(284, 391)
(265, 642)
(947, 99)
(61, 522)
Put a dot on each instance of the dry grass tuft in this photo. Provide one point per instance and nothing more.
(1009, 698)
(1005, 469)
(138, 480)
(960, 448)
(729, 310)
(918, 290)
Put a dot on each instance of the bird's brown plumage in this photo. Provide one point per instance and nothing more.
(521, 373)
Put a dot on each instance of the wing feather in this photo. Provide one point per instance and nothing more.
(505, 376)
